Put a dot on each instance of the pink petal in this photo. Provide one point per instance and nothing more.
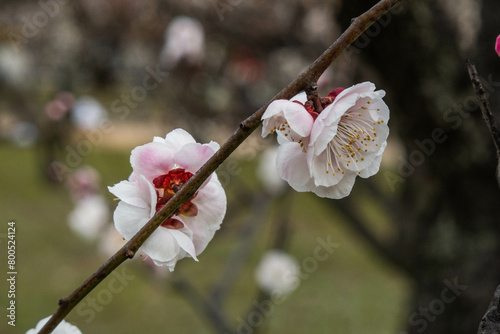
(152, 160)
(192, 156)
(497, 45)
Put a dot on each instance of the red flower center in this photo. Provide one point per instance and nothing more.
(166, 187)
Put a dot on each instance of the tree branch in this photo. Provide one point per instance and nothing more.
(307, 78)
(488, 117)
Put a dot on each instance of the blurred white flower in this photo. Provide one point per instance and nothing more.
(63, 328)
(110, 241)
(268, 173)
(184, 41)
(88, 113)
(277, 273)
(89, 216)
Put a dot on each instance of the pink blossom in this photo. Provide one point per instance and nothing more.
(497, 45)
(160, 168)
(324, 152)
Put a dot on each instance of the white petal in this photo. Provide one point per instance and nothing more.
(299, 120)
(211, 203)
(130, 193)
(320, 176)
(162, 247)
(340, 190)
(178, 138)
(184, 242)
(292, 165)
(374, 167)
(301, 97)
(130, 219)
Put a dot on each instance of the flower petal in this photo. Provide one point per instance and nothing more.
(211, 202)
(129, 193)
(152, 159)
(192, 156)
(320, 167)
(178, 138)
(162, 247)
(292, 165)
(184, 242)
(340, 190)
(130, 219)
(374, 167)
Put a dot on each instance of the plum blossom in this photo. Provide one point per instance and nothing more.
(89, 217)
(160, 169)
(63, 328)
(324, 152)
(184, 41)
(497, 45)
(277, 273)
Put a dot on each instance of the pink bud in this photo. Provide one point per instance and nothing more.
(497, 45)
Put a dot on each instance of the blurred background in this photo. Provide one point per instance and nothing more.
(415, 248)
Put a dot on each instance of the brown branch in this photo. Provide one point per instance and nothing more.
(488, 117)
(307, 78)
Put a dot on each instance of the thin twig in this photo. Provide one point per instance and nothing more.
(488, 117)
(307, 78)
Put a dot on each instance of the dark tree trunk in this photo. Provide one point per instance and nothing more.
(445, 200)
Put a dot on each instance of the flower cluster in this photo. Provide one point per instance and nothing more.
(324, 151)
(160, 168)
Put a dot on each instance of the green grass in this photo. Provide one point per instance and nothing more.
(353, 291)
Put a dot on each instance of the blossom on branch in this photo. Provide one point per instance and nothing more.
(497, 45)
(324, 151)
(160, 169)
(63, 328)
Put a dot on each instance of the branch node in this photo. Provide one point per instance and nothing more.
(312, 95)
(245, 126)
(129, 253)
